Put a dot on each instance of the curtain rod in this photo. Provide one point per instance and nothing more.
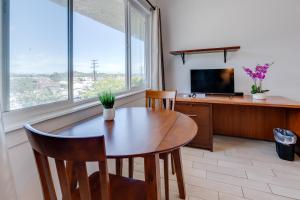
(150, 4)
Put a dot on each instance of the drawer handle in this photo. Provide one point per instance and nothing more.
(192, 115)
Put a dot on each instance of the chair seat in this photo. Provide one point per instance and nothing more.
(121, 188)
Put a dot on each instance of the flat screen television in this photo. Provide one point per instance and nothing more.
(220, 81)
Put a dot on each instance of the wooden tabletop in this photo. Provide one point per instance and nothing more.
(137, 131)
(271, 101)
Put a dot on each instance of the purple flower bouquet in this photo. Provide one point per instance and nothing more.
(258, 75)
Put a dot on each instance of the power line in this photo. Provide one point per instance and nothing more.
(94, 65)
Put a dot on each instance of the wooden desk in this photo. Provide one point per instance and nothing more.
(141, 132)
(240, 117)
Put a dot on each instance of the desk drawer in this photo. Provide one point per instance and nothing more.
(201, 114)
(202, 139)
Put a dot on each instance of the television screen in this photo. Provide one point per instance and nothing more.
(212, 81)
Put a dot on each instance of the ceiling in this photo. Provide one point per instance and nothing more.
(110, 14)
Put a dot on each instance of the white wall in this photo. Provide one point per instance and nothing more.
(266, 30)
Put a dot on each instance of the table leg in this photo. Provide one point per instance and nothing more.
(119, 166)
(152, 177)
(179, 173)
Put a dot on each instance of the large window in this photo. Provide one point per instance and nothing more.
(38, 56)
(138, 38)
(99, 47)
(72, 50)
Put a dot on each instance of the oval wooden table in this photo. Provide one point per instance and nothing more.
(141, 132)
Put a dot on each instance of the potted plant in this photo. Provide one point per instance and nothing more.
(107, 99)
(258, 75)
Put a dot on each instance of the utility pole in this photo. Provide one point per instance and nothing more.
(94, 65)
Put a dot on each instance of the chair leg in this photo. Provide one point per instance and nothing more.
(166, 176)
(119, 166)
(130, 167)
(179, 173)
(172, 164)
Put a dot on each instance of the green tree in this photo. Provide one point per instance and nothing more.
(56, 77)
(114, 84)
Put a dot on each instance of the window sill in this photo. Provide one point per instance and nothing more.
(16, 119)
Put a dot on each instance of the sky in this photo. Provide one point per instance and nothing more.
(38, 41)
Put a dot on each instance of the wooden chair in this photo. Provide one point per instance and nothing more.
(76, 152)
(160, 100)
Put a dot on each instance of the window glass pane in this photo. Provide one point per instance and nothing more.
(38, 56)
(138, 44)
(99, 47)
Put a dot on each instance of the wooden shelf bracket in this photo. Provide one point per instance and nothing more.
(225, 55)
(183, 57)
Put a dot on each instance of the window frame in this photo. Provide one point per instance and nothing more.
(71, 102)
(5, 93)
(145, 12)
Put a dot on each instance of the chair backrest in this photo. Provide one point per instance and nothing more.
(70, 155)
(160, 99)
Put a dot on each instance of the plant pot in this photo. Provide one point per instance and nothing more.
(108, 114)
(259, 96)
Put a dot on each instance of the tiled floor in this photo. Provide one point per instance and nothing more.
(237, 169)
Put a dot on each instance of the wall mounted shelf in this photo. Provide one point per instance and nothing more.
(182, 53)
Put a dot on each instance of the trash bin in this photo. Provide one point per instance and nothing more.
(285, 143)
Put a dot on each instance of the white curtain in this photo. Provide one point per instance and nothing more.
(157, 65)
(7, 188)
